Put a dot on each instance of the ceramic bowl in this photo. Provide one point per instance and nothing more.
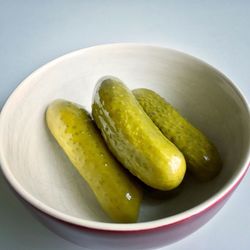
(46, 182)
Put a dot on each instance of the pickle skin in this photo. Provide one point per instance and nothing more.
(133, 138)
(202, 157)
(76, 133)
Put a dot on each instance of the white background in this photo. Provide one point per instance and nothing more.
(35, 32)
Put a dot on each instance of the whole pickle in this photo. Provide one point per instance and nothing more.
(202, 157)
(82, 142)
(134, 139)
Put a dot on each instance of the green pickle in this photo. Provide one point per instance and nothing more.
(76, 133)
(134, 139)
(202, 157)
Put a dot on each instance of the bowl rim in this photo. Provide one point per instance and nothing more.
(120, 227)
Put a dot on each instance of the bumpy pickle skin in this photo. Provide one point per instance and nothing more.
(203, 159)
(76, 133)
(133, 138)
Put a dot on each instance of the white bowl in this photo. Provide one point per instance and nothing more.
(41, 174)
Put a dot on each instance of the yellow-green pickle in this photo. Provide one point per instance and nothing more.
(202, 157)
(82, 142)
(134, 139)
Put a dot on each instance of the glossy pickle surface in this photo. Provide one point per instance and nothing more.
(76, 133)
(134, 139)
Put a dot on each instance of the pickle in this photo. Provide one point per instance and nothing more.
(134, 139)
(82, 142)
(202, 157)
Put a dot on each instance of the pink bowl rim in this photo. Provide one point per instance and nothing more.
(121, 227)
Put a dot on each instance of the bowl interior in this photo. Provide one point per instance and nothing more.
(199, 92)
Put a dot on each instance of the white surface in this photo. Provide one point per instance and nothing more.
(33, 34)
